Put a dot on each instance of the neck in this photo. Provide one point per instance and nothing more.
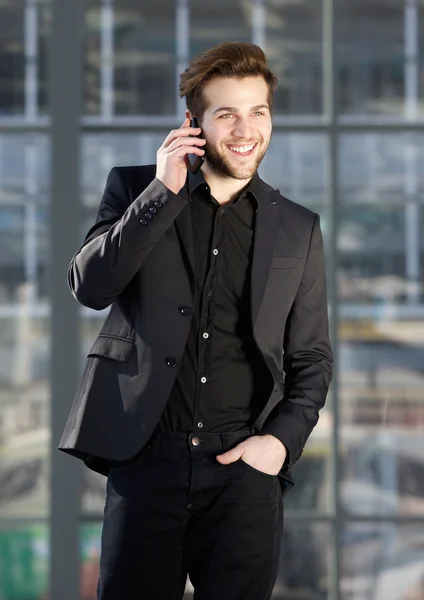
(224, 189)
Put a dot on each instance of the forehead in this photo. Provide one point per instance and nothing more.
(242, 92)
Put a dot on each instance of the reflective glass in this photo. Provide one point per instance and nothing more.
(24, 561)
(305, 563)
(24, 325)
(130, 58)
(296, 164)
(219, 21)
(24, 31)
(382, 561)
(370, 49)
(293, 44)
(381, 333)
(12, 58)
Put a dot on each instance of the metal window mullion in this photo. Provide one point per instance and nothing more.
(31, 59)
(107, 53)
(65, 106)
(259, 23)
(182, 37)
(412, 221)
(330, 112)
(411, 55)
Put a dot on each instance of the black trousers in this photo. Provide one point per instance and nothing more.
(176, 510)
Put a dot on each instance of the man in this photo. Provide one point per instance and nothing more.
(207, 377)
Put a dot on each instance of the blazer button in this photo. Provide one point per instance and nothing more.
(171, 362)
(185, 311)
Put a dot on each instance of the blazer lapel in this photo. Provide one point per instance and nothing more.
(266, 226)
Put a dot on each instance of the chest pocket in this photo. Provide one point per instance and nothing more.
(112, 347)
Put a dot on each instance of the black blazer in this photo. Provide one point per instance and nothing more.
(145, 272)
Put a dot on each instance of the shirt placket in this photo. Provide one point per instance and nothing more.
(207, 317)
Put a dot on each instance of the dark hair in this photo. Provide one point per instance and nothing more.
(229, 59)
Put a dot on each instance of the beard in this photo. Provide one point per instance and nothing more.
(222, 166)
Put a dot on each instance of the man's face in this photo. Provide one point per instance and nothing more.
(236, 125)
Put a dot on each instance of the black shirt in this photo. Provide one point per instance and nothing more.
(222, 382)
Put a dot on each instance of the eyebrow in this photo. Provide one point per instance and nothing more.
(236, 110)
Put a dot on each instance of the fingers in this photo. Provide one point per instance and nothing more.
(184, 150)
(187, 141)
(183, 131)
(231, 456)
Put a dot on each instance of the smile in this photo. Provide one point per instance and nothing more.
(242, 150)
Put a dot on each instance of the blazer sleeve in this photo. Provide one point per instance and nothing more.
(307, 356)
(117, 245)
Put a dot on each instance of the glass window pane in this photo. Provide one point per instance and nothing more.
(24, 561)
(382, 561)
(12, 58)
(24, 33)
(305, 561)
(130, 58)
(296, 164)
(24, 325)
(381, 257)
(293, 44)
(370, 57)
(219, 21)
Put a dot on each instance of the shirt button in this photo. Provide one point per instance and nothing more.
(209, 294)
(206, 335)
(144, 222)
(171, 362)
(203, 380)
(215, 252)
(222, 211)
(200, 424)
(195, 441)
(185, 311)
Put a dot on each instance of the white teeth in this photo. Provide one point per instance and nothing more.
(242, 148)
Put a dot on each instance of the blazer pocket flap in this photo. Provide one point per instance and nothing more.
(112, 347)
(286, 262)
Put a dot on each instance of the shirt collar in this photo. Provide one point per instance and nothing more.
(252, 190)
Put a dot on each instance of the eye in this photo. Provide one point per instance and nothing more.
(226, 115)
(258, 112)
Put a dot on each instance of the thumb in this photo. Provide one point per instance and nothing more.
(230, 456)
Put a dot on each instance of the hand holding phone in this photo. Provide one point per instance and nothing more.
(172, 158)
(194, 160)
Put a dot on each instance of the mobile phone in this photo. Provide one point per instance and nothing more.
(195, 161)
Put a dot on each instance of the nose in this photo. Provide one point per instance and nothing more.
(243, 129)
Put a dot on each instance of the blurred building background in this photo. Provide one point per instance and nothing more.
(89, 84)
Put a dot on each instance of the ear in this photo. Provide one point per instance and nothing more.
(188, 114)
